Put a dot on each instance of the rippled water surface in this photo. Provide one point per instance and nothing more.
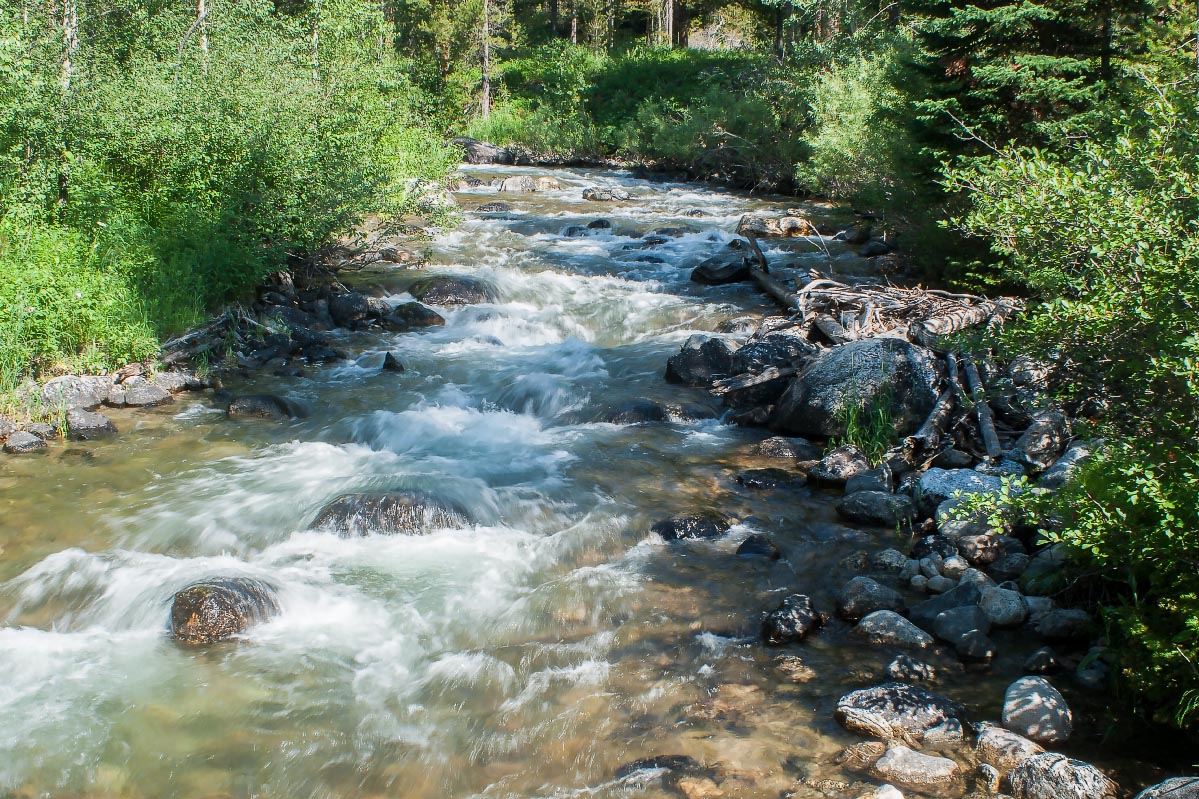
(528, 656)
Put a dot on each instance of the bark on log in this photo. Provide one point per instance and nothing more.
(986, 422)
(758, 254)
(721, 387)
(929, 331)
(774, 289)
(832, 329)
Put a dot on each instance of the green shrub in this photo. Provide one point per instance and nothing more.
(1105, 236)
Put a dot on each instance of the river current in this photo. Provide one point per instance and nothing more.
(530, 655)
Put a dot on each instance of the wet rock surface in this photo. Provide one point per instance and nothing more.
(405, 512)
(894, 710)
(219, 609)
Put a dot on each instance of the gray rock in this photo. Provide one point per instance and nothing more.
(987, 778)
(888, 628)
(954, 567)
(838, 466)
(1034, 708)
(1044, 440)
(780, 349)
(701, 360)
(146, 396)
(1093, 675)
(793, 620)
(876, 507)
(956, 529)
(758, 546)
(1010, 567)
(42, 430)
(953, 624)
(707, 524)
(1054, 776)
(789, 449)
(262, 406)
(596, 194)
(494, 208)
(894, 710)
(453, 290)
(891, 561)
(977, 579)
(1002, 607)
(918, 582)
(979, 550)
(925, 613)
(7, 427)
(1005, 468)
(938, 584)
(721, 270)
(86, 426)
(346, 309)
(901, 764)
(937, 545)
(21, 443)
(1065, 467)
(402, 512)
(938, 485)
(862, 596)
(1045, 572)
(1002, 748)
(478, 152)
(1065, 624)
(860, 372)
(974, 645)
(879, 478)
(906, 668)
(524, 183)
(1177, 788)
(953, 459)
(84, 392)
(411, 315)
(1043, 661)
(1038, 606)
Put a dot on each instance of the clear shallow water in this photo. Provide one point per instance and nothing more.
(528, 656)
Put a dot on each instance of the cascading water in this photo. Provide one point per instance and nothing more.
(531, 654)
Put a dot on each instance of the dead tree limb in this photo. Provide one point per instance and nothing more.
(759, 256)
(986, 421)
(832, 329)
(931, 330)
(721, 387)
(774, 289)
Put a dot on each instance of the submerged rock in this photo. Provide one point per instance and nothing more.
(453, 290)
(888, 628)
(402, 512)
(1054, 776)
(21, 442)
(494, 208)
(793, 620)
(709, 524)
(877, 508)
(765, 479)
(862, 596)
(798, 450)
(410, 316)
(214, 610)
(262, 406)
(894, 711)
(907, 767)
(720, 270)
(86, 426)
(758, 546)
(597, 194)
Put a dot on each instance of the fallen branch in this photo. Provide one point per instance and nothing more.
(986, 421)
(721, 387)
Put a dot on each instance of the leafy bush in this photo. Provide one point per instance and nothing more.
(1106, 237)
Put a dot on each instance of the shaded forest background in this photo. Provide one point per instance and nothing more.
(158, 158)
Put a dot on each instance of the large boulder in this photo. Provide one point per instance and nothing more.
(897, 711)
(214, 610)
(1034, 708)
(478, 152)
(963, 595)
(1054, 776)
(836, 467)
(402, 512)
(879, 372)
(453, 290)
(779, 349)
(348, 308)
(907, 767)
(793, 620)
(863, 595)
(147, 396)
(701, 360)
(1177, 788)
(528, 184)
(1003, 607)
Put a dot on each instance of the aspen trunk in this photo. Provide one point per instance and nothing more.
(485, 102)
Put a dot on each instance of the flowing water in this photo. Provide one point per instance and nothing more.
(530, 655)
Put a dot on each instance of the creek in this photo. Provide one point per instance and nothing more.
(530, 655)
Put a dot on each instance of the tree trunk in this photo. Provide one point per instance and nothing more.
(70, 43)
(485, 101)
(201, 15)
(778, 31)
(574, 21)
(554, 17)
(668, 21)
(316, 42)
